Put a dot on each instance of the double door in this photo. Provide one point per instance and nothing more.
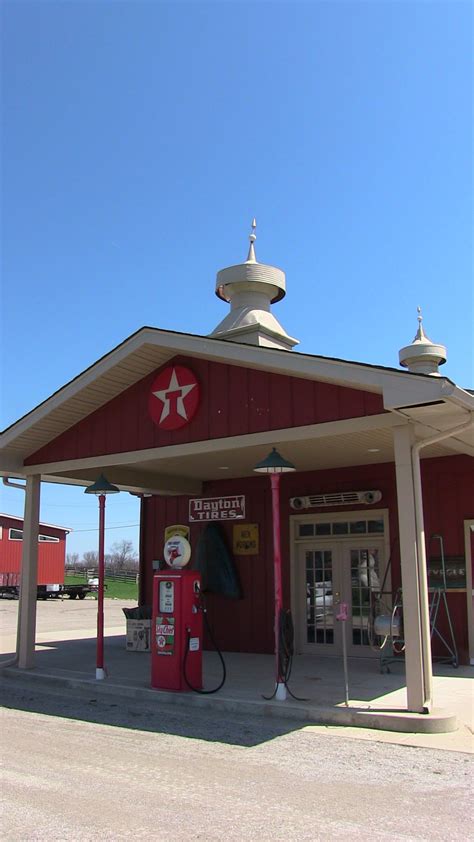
(331, 572)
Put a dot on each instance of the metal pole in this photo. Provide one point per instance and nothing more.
(280, 694)
(100, 671)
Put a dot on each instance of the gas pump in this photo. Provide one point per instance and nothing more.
(176, 639)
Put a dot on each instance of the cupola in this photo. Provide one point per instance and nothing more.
(251, 288)
(423, 356)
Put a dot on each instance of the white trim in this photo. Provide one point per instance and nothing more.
(42, 539)
(48, 525)
(323, 517)
(415, 389)
(288, 434)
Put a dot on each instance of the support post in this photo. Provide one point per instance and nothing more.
(412, 620)
(280, 694)
(100, 671)
(29, 575)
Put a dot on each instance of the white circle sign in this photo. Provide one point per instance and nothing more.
(177, 551)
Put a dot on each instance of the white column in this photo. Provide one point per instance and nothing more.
(29, 576)
(403, 439)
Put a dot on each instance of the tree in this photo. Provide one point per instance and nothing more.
(122, 556)
(72, 560)
(90, 559)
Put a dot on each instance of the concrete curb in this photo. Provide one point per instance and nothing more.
(438, 722)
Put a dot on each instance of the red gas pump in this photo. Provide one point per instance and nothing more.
(176, 632)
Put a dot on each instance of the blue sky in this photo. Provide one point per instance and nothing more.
(139, 140)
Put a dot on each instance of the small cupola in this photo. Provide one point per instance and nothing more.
(251, 288)
(423, 356)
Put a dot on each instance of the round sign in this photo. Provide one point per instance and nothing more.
(174, 397)
(177, 551)
(161, 641)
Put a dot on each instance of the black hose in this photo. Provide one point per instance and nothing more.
(286, 649)
(224, 671)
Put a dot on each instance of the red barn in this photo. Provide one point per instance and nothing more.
(51, 551)
(382, 493)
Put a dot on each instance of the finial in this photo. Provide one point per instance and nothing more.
(420, 334)
(252, 237)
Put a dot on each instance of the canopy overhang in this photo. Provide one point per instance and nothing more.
(430, 404)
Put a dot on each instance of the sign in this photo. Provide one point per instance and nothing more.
(217, 508)
(177, 529)
(245, 539)
(174, 397)
(455, 571)
(164, 635)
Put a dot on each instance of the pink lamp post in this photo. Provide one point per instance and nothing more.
(100, 489)
(275, 465)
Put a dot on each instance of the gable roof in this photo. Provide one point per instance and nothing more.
(150, 348)
(65, 529)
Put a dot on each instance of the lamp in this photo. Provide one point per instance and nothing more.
(100, 488)
(275, 465)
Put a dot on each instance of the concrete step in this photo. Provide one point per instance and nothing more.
(62, 681)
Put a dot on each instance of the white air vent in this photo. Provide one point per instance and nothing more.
(337, 498)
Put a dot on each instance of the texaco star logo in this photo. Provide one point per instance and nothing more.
(174, 397)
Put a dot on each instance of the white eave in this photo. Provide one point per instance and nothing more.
(65, 529)
(150, 348)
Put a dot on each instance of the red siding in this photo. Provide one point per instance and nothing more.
(246, 625)
(234, 401)
(51, 556)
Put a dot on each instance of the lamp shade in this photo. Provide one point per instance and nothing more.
(102, 486)
(274, 464)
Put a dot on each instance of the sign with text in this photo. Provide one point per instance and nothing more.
(217, 508)
(454, 572)
(245, 537)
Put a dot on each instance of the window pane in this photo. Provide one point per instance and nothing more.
(306, 529)
(375, 526)
(358, 527)
(323, 529)
(340, 528)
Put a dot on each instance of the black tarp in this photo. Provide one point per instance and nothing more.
(216, 564)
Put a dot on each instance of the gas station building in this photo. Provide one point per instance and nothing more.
(383, 489)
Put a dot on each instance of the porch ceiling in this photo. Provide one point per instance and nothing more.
(182, 469)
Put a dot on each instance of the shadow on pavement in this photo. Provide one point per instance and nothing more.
(198, 724)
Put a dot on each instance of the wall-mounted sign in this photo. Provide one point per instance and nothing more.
(174, 397)
(217, 508)
(177, 529)
(245, 539)
(455, 572)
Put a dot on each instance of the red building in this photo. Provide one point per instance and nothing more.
(51, 551)
(382, 491)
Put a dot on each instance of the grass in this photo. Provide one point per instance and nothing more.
(113, 588)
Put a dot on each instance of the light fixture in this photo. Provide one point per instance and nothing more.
(373, 450)
(275, 465)
(100, 488)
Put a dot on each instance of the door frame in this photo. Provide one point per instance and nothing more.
(468, 533)
(326, 540)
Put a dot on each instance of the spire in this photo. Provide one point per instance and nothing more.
(423, 356)
(252, 237)
(251, 288)
(420, 334)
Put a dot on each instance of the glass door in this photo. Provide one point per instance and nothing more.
(330, 572)
(320, 590)
(362, 579)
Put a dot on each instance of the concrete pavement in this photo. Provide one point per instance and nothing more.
(66, 658)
